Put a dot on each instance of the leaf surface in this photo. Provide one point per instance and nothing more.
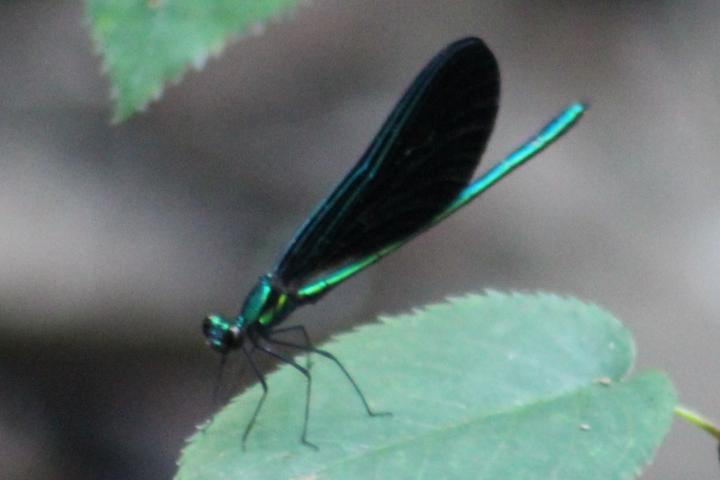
(490, 386)
(147, 43)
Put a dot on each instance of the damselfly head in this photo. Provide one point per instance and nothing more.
(221, 334)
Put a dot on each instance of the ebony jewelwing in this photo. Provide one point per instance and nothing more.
(416, 172)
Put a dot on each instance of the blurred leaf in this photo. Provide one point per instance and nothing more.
(145, 43)
(484, 387)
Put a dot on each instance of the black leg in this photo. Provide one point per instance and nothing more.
(304, 371)
(308, 347)
(263, 383)
(216, 393)
(293, 328)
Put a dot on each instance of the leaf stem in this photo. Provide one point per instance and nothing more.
(697, 420)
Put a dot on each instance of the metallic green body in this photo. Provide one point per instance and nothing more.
(268, 303)
(551, 132)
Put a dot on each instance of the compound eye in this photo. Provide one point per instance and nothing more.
(218, 333)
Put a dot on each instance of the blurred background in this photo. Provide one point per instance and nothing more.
(115, 241)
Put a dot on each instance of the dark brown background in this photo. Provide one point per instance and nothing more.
(115, 241)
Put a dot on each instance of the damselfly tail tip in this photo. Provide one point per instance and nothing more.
(572, 113)
(580, 106)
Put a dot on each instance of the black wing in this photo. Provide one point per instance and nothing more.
(425, 153)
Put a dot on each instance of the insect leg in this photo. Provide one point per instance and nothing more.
(263, 383)
(304, 371)
(267, 337)
(309, 347)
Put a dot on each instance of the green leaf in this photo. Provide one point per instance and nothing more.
(490, 386)
(145, 43)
